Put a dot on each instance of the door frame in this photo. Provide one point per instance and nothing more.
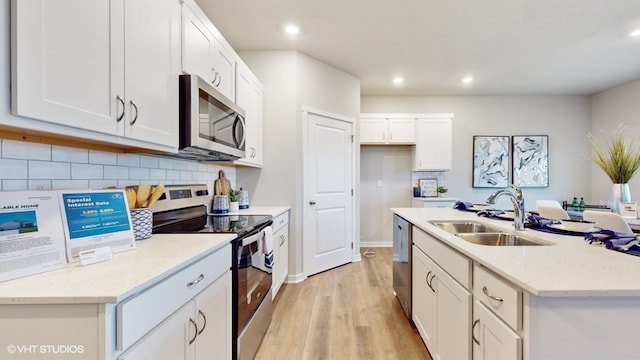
(355, 251)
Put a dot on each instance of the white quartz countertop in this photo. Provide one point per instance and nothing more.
(569, 267)
(114, 280)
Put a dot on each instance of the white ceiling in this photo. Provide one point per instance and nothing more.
(510, 47)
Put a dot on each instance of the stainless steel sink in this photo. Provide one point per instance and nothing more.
(498, 239)
(456, 227)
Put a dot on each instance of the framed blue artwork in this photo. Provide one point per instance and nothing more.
(531, 161)
(490, 161)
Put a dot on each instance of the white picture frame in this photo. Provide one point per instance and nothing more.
(629, 209)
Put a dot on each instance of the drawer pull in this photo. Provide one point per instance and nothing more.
(205, 321)
(196, 281)
(473, 334)
(492, 297)
(195, 334)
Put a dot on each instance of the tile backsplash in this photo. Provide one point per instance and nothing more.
(35, 166)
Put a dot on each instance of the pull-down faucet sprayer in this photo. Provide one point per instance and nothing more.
(518, 204)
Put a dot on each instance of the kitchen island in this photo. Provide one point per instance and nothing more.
(565, 300)
(137, 304)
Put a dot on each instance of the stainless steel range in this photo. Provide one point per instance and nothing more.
(184, 209)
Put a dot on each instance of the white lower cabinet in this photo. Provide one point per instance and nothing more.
(280, 251)
(492, 338)
(199, 330)
(441, 305)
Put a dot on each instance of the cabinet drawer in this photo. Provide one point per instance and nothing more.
(454, 263)
(503, 298)
(280, 221)
(139, 314)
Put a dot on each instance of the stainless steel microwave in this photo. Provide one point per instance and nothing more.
(212, 127)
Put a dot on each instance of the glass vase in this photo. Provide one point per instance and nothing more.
(619, 193)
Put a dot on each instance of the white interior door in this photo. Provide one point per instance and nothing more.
(328, 229)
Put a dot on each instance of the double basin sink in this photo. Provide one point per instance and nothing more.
(482, 234)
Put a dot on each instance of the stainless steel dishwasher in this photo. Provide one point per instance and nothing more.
(402, 262)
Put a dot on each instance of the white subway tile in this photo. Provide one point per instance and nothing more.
(116, 172)
(186, 175)
(101, 184)
(129, 160)
(179, 165)
(103, 157)
(125, 183)
(158, 174)
(139, 173)
(148, 161)
(173, 175)
(10, 185)
(70, 184)
(49, 170)
(39, 184)
(12, 149)
(165, 163)
(13, 169)
(87, 172)
(69, 154)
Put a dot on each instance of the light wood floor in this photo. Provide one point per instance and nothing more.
(346, 313)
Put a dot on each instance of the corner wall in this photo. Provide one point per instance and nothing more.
(292, 80)
(609, 109)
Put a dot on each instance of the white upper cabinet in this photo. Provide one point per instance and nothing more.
(205, 53)
(434, 143)
(249, 97)
(107, 67)
(387, 129)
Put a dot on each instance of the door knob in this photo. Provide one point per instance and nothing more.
(312, 202)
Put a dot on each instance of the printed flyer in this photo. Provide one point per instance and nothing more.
(94, 219)
(31, 235)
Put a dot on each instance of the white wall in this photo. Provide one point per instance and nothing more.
(292, 80)
(392, 166)
(609, 109)
(565, 119)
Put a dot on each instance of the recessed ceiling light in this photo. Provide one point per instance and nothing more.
(292, 29)
(467, 80)
(398, 80)
(635, 33)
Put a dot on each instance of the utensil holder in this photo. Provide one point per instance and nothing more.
(142, 222)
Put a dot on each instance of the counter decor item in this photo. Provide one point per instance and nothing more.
(530, 161)
(244, 199)
(222, 185)
(428, 187)
(220, 204)
(490, 161)
(620, 161)
(441, 190)
(234, 200)
(142, 222)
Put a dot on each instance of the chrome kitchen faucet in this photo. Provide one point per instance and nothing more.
(518, 204)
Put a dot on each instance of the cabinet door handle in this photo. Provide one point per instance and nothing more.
(427, 277)
(492, 297)
(194, 282)
(473, 334)
(312, 202)
(135, 107)
(195, 334)
(281, 240)
(431, 281)
(205, 321)
(121, 116)
(219, 79)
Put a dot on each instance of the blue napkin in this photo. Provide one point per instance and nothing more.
(463, 206)
(623, 242)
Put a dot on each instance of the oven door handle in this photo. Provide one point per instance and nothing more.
(252, 238)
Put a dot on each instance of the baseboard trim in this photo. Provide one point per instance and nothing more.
(367, 244)
(294, 279)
